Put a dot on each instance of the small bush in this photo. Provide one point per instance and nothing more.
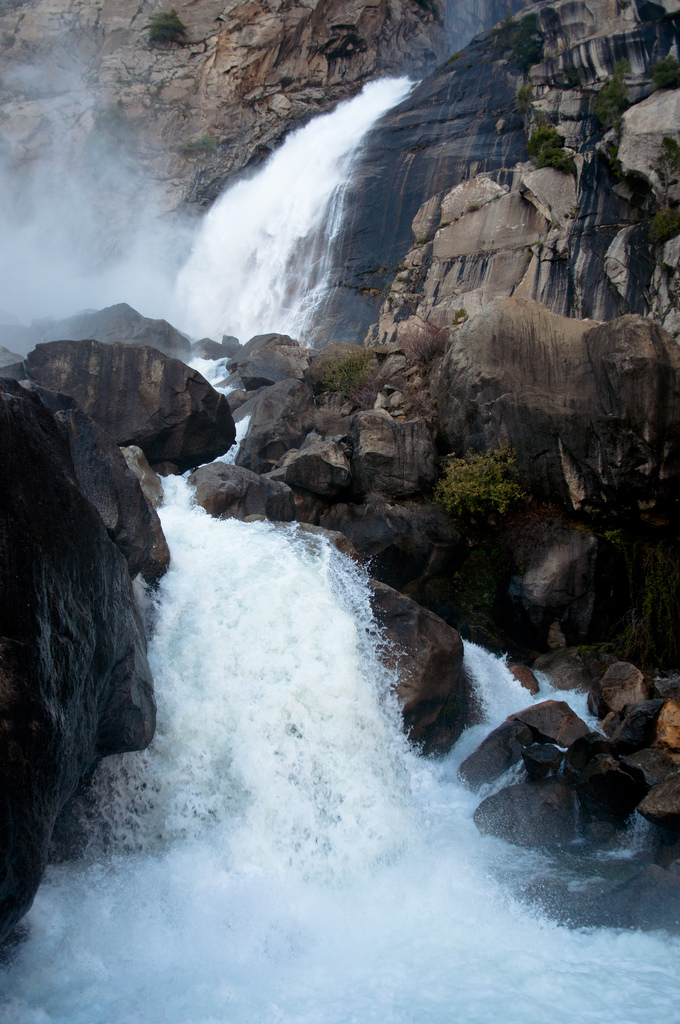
(461, 315)
(665, 225)
(525, 97)
(612, 99)
(480, 485)
(546, 145)
(422, 343)
(666, 73)
(343, 376)
(165, 28)
(523, 38)
(570, 76)
(205, 147)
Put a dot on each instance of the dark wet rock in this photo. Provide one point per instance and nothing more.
(541, 813)
(139, 396)
(206, 348)
(557, 584)
(236, 399)
(524, 675)
(649, 900)
(320, 465)
(309, 508)
(165, 468)
(501, 749)
(395, 458)
(231, 492)
(661, 805)
(553, 721)
(230, 345)
(668, 687)
(650, 766)
(271, 365)
(565, 669)
(281, 416)
(402, 543)
(607, 791)
(120, 324)
(107, 482)
(428, 655)
(621, 684)
(541, 760)
(75, 683)
(582, 751)
(150, 482)
(637, 725)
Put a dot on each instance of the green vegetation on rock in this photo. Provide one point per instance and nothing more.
(344, 376)
(546, 146)
(612, 99)
(165, 28)
(522, 37)
(666, 73)
(665, 225)
(205, 147)
(480, 485)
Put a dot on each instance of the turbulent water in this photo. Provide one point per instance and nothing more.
(261, 258)
(280, 855)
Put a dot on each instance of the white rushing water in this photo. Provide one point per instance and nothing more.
(280, 855)
(262, 255)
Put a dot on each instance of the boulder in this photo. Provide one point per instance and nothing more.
(150, 482)
(120, 324)
(541, 760)
(106, 481)
(582, 751)
(139, 396)
(165, 469)
(501, 749)
(231, 346)
(667, 732)
(565, 669)
(428, 656)
(621, 684)
(650, 766)
(231, 492)
(661, 805)
(395, 458)
(75, 683)
(668, 687)
(524, 676)
(649, 900)
(271, 365)
(541, 813)
(281, 416)
(320, 465)
(643, 128)
(636, 728)
(309, 508)
(592, 412)
(607, 791)
(260, 342)
(552, 721)
(206, 348)
(558, 584)
(336, 540)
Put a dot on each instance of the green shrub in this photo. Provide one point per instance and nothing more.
(570, 76)
(525, 97)
(667, 165)
(665, 225)
(666, 73)
(612, 99)
(165, 28)
(546, 146)
(344, 376)
(480, 485)
(205, 146)
(523, 38)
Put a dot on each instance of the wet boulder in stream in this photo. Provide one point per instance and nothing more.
(541, 813)
(281, 416)
(232, 492)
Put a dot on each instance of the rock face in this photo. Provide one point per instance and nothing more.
(593, 413)
(428, 655)
(395, 459)
(75, 684)
(231, 492)
(139, 396)
(281, 416)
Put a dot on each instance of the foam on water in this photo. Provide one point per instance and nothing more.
(279, 855)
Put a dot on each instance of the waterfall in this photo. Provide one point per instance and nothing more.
(261, 258)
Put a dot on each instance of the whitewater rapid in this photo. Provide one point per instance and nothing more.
(280, 855)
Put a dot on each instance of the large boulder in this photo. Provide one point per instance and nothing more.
(621, 684)
(139, 396)
(643, 129)
(231, 492)
(541, 813)
(565, 669)
(500, 750)
(320, 465)
(661, 805)
(281, 416)
(428, 656)
(608, 791)
(123, 325)
(270, 365)
(552, 721)
(75, 683)
(592, 412)
(392, 457)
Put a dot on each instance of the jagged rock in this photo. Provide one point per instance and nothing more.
(524, 676)
(541, 813)
(120, 324)
(231, 492)
(661, 806)
(551, 192)
(582, 751)
(650, 766)
(402, 543)
(320, 465)
(309, 508)
(150, 482)
(139, 396)
(565, 669)
(428, 656)
(280, 419)
(643, 129)
(558, 584)
(667, 687)
(206, 348)
(621, 684)
(592, 412)
(74, 678)
(237, 398)
(667, 733)
(552, 721)
(259, 343)
(106, 481)
(636, 728)
(395, 459)
(268, 366)
(541, 760)
(607, 791)
(501, 749)
(231, 346)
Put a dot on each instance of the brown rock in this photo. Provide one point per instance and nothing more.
(541, 760)
(553, 721)
(661, 806)
(652, 766)
(501, 749)
(607, 791)
(309, 508)
(280, 419)
(152, 488)
(565, 669)
(637, 726)
(396, 459)
(667, 734)
(524, 676)
(621, 684)
(336, 540)
(165, 468)
(231, 492)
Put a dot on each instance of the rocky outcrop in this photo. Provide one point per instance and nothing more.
(139, 396)
(392, 458)
(428, 656)
(231, 492)
(281, 416)
(592, 412)
(75, 683)
(320, 465)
